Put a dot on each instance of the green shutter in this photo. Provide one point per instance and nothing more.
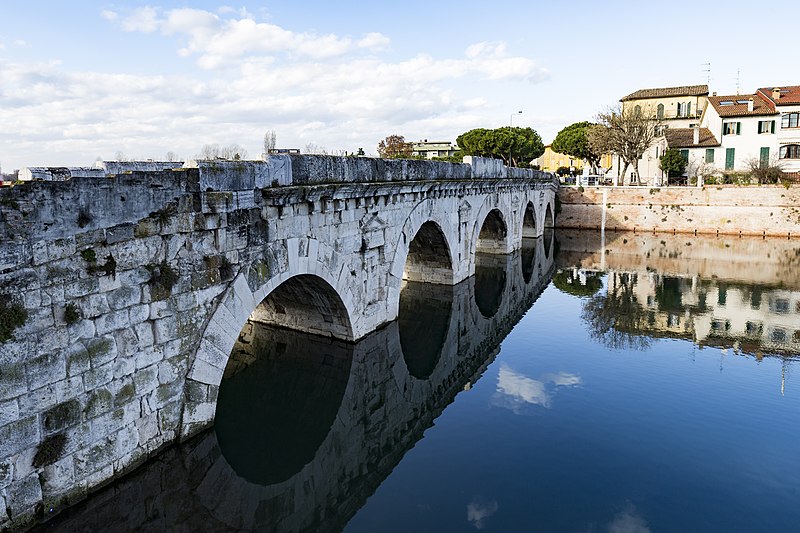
(689, 109)
(738, 128)
(709, 155)
(729, 157)
(765, 155)
(772, 127)
(685, 155)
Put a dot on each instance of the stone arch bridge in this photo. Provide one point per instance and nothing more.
(137, 286)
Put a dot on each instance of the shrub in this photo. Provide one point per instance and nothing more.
(71, 313)
(162, 279)
(12, 316)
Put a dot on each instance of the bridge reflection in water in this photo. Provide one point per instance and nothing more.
(307, 427)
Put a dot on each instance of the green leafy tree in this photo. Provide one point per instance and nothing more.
(512, 145)
(573, 140)
(394, 147)
(673, 163)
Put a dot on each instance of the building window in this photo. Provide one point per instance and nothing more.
(732, 128)
(790, 151)
(709, 155)
(730, 154)
(637, 111)
(790, 120)
(685, 155)
(660, 111)
(684, 109)
(766, 126)
(764, 156)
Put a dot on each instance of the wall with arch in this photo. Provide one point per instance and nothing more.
(137, 286)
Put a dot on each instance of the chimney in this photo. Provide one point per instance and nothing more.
(696, 135)
(750, 105)
(776, 93)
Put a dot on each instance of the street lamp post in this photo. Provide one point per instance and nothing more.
(511, 126)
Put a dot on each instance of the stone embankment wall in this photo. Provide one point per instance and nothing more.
(137, 285)
(768, 210)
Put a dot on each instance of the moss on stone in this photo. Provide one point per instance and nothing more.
(50, 450)
(89, 255)
(71, 313)
(12, 316)
(162, 279)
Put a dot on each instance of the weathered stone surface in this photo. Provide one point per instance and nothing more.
(327, 241)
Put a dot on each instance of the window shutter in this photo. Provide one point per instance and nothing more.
(689, 109)
(738, 128)
(772, 127)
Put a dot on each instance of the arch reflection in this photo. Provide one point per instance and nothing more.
(278, 399)
(490, 282)
(423, 323)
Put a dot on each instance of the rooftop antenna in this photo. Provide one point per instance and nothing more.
(707, 72)
(738, 82)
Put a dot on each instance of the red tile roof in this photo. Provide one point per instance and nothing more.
(790, 94)
(684, 138)
(761, 106)
(665, 92)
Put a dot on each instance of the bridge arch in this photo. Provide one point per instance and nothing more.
(437, 230)
(306, 277)
(529, 227)
(501, 209)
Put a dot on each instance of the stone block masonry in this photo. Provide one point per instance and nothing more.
(722, 210)
(137, 285)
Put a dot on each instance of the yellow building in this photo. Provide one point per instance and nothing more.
(678, 107)
(550, 161)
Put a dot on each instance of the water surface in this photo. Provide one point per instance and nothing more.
(650, 386)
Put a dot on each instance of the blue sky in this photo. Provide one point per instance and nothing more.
(82, 80)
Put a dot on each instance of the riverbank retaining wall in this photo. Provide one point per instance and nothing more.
(724, 210)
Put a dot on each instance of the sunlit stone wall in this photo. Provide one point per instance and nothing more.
(767, 210)
(137, 285)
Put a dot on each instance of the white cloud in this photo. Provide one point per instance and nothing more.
(143, 19)
(325, 89)
(374, 41)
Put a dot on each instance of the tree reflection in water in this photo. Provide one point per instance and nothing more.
(615, 318)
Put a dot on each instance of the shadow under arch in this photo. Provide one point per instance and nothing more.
(493, 234)
(278, 400)
(549, 222)
(428, 259)
(239, 302)
(305, 303)
(529, 222)
(490, 282)
(423, 323)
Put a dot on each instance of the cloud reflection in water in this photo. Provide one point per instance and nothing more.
(478, 511)
(517, 392)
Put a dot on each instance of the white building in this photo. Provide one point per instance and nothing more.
(786, 102)
(430, 149)
(746, 127)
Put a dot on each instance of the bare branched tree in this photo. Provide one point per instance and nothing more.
(171, 156)
(270, 141)
(215, 151)
(312, 148)
(770, 171)
(625, 132)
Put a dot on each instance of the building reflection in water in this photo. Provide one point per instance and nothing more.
(732, 293)
(308, 427)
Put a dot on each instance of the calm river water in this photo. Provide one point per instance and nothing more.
(622, 383)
